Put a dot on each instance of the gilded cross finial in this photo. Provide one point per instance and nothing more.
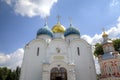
(103, 29)
(104, 34)
(58, 18)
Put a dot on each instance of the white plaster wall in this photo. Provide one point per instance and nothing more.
(57, 43)
(84, 65)
(32, 64)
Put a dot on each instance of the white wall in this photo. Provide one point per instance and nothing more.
(84, 65)
(32, 64)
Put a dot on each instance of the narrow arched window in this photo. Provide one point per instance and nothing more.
(38, 51)
(78, 51)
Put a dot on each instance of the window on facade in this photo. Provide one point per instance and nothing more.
(37, 51)
(78, 50)
(110, 70)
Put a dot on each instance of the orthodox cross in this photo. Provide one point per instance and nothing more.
(103, 30)
(70, 20)
(58, 18)
(46, 19)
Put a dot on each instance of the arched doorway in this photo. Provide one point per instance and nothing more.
(58, 74)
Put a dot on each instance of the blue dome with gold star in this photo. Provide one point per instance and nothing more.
(45, 30)
(71, 30)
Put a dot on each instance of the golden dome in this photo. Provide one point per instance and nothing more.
(104, 34)
(58, 28)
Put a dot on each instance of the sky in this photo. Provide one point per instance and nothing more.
(20, 20)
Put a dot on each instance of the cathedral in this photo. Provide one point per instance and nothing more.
(109, 61)
(58, 54)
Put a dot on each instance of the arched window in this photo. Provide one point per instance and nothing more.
(58, 74)
(38, 51)
(78, 51)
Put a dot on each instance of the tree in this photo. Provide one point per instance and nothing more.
(3, 73)
(99, 49)
(8, 74)
(116, 44)
(18, 69)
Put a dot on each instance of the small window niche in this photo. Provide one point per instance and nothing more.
(38, 51)
(78, 51)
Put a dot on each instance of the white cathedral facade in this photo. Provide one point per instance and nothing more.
(58, 54)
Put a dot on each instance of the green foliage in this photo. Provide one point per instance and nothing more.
(8, 74)
(116, 44)
(98, 76)
(99, 49)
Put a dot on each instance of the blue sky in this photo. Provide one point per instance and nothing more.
(89, 16)
(20, 20)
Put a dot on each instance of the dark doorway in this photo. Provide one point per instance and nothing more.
(59, 78)
(58, 74)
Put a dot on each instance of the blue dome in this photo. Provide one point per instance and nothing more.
(107, 56)
(71, 30)
(45, 30)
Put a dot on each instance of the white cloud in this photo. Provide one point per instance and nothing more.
(9, 2)
(11, 60)
(92, 40)
(114, 3)
(113, 32)
(32, 8)
(97, 66)
(118, 19)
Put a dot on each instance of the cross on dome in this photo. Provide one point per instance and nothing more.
(103, 30)
(58, 19)
(58, 28)
(70, 20)
(104, 33)
(46, 21)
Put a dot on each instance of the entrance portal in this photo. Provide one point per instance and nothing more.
(58, 74)
(58, 78)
